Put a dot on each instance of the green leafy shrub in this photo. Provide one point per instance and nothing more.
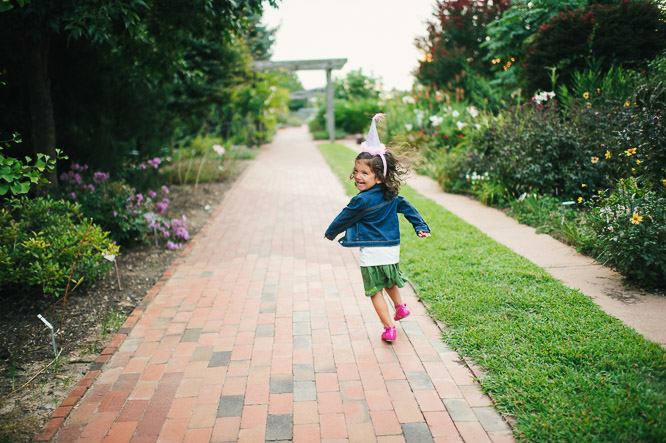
(16, 177)
(40, 240)
(128, 215)
(629, 233)
(622, 34)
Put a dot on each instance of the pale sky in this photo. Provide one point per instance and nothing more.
(375, 35)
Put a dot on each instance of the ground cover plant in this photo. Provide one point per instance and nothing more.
(553, 360)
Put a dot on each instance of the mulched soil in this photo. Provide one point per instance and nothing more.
(92, 313)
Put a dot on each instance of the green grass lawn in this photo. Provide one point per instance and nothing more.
(553, 359)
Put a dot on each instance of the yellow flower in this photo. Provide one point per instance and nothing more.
(636, 219)
(638, 162)
(630, 152)
(600, 192)
(627, 103)
(586, 95)
(580, 199)
(663, 182)
(583, 185)
(588, 104)
(608, 154)
(595, 159)
(598, 90)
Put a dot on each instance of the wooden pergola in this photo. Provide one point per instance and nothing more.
(300, 65)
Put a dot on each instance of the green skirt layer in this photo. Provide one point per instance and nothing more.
(376, 278)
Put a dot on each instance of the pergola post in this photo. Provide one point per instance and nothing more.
(330, 108)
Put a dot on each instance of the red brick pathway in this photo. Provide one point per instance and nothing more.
(262, 332)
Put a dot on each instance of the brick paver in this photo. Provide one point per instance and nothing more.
(261, 331)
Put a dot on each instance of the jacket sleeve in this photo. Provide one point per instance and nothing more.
(351, 214)
(412, 215)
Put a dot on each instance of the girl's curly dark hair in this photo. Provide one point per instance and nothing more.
(397, 168)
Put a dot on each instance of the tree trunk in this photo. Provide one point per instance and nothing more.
(36, 55)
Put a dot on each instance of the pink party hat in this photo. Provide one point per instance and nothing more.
(371, 144)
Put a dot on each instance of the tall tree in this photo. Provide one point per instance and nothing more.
(453, 44)
(161, 35)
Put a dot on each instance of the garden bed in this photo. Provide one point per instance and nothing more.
(93, 312)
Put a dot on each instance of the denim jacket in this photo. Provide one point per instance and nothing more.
(370, 220)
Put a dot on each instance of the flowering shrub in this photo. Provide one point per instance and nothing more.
(628, 232)
(39, 242)
(118, 208)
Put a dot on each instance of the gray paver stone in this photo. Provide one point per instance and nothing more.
(219, 359)
(301, 328)
(490, 419)
(191, 335)
(278, 427)
(302, 342)
(300, 316)
(267, 330)
(459, 409)
(230, 406)
(303, 372)
(305, 391)
(416, 432)
(282, 384)
(202, 353)
(419, 381)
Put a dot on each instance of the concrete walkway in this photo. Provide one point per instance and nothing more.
(262, 332)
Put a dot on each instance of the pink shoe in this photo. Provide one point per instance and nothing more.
(389, 333)
(401, 312)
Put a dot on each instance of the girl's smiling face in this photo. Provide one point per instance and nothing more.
(364, 177)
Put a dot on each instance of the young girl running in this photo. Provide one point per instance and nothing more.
(371, 222)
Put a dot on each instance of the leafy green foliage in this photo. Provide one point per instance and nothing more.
(626, 34)
(356, 86)
(40, 241)
(553, 360)
(16, 177)
(629, 232)
(452, 47)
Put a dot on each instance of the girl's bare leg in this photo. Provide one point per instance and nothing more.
(394, 293)
(382, 308)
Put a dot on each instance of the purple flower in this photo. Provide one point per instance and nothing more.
(162, 206)
(142, 166)
(152, 194)
(91, 187)
(655, 120)
(139, 199)
(100, 177)
(165, 189)
(72, 195)
(155, 163)
(63, 176)
(115, 213)
(78, 167)
(173, 246)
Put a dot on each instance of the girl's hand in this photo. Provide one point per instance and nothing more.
(423, 234)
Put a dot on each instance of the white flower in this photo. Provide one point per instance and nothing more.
(408, 126)
(543, 96)
(455, 114)
(472, 111)
(408, 99)
(219, 149)
(436, 120)
(460, 125)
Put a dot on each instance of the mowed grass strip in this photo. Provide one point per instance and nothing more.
(564, 369)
